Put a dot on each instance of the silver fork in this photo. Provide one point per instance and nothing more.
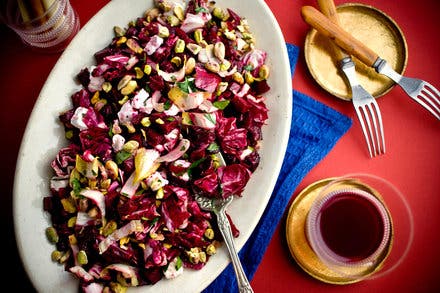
(367, 110)
(365, 104)
(420, 91)
(218, 206)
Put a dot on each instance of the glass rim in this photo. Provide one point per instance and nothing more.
(326, 254)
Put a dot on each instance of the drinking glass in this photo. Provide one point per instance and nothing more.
(43, 25)
(360, 226)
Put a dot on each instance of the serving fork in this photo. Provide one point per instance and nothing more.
(419, 90)
(366, 107)
(218, 206)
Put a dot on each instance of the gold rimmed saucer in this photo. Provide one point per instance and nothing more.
(370, 26)
(299, 247)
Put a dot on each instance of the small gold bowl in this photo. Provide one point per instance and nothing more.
(370, 26)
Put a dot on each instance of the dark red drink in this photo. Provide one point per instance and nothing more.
(351, 226)
(348, 227)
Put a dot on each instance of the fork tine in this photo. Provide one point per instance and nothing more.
(373, 132)
(379, 130)
(431, 99)
(377, 138)
(382, 136)
(359, 112)
(374, 135)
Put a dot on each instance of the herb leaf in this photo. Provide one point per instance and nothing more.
(187, 85)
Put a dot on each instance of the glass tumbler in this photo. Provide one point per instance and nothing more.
(44, 25)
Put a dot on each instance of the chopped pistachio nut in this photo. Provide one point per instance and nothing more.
(71, 222)
(56, 255)
(179, 13)
(230, 35)
(176, 60)
(159, 193)
(95, 98)
(109, 228)
(121, 40)
(248, 77)
(263, 72)
(190, 65)
(64, 257)
(173, 20)
(124, 82)
(123, 100)
(117, 288)
(211, 249)
(196, 255)
(222, 86)
(194, 48)
(212, 66)
(249, 38)
(130, 146)
(209, 233)
(238, 77)
(164, 32)
(52, 235)
(147, 69)
(130, 127)
(123, 241)
(219, 50)
(69, 134)
(81, 257)
(220, 13)
(225, 65)
(179, 46)
(215, 161)
(106, 86)
(112, 169)
(152, 14)
(139, 73)
(119, 32)
(146, 121)
(69, 205)
(198, 37)
(129, 88)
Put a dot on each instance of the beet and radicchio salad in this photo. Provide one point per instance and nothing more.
(172, 89)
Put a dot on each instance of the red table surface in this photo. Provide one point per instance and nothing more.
(411, 162)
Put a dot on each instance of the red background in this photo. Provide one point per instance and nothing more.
(411, 162)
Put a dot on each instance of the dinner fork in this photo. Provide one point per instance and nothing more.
(218, 206)
(365, 104)
(419, 90)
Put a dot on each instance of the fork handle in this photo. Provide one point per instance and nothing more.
(342, 38)
(328, 8)
(225, 229)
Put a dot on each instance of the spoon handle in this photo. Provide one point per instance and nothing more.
(225, 229)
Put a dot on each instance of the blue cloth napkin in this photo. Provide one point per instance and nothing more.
(315, 129)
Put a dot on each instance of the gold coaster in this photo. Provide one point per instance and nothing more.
(302, 251)
(370, 26)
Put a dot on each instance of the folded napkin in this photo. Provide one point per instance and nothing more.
(314, 131)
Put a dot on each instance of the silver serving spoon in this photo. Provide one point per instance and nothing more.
(218, 206)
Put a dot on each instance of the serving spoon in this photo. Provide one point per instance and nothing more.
(218, 207)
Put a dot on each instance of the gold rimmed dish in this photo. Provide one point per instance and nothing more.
(369, 25)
